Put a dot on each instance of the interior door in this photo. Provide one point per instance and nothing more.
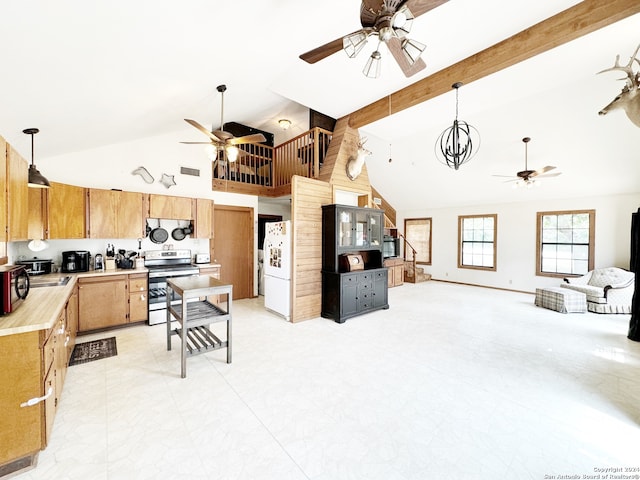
(232, 247)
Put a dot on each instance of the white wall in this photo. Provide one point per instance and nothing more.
(516, 248)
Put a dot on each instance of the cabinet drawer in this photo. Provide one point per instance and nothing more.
(137, 284)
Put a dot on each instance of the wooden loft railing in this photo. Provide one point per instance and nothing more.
(267, 171)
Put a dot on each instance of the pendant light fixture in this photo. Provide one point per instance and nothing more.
(458, 143)
(36, 179)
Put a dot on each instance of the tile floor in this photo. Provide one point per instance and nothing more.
(452, 381)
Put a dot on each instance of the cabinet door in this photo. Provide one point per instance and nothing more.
(37, 222)
(103, 208)
(138, 301)
(66, 211)
(103, 302)
(17, 195)
(203, 218)
(349, 295)
(72, 321)
(20, 427)
(345, 219)
(380, 291)
(167, 206)
(129, 216)
(50, 406)
(3, 197)
(376, 228)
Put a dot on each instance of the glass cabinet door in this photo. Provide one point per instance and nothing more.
(345, 228)
(375, 229)
(362, 229)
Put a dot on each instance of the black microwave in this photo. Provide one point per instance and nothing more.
(390, 247)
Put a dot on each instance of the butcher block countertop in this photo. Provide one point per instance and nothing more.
(42, 306)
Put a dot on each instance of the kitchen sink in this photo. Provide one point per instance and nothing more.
(49, 282)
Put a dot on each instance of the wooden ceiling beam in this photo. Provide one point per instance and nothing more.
(581, 19)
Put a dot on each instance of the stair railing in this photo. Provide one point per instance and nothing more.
(413, 255)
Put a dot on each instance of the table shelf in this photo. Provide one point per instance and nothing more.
(190, 318)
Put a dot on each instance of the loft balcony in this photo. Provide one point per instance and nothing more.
(267, 171)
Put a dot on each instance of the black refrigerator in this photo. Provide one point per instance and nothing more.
(634, 266)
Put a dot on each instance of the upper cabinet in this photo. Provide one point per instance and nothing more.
(66, 211)
(38, 213)
(167, 206)
(17, 175)
(203, 215)
(349, 229)
(115, 214)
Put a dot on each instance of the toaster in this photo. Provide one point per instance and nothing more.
(203, 258)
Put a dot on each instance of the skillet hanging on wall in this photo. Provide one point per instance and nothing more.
(158, 234)
(178, 234)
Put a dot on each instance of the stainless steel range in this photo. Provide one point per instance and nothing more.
(164, 264)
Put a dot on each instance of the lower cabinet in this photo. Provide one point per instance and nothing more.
(396, 271)
(138, 298)
(112, 300)
(38, 362)
(345, 295)
(103, 302)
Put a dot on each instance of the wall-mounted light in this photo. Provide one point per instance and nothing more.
(284, 123)
(36, 179)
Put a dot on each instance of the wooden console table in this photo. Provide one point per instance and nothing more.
(202, 303)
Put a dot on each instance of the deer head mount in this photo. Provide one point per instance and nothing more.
(354, 164)
(629, 98)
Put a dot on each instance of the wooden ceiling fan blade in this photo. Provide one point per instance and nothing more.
(202, 129)
(197, 143)
(253, 138)
(418, 7)
(322, 52)
(395, 47)
(548, 175)
(542, 170)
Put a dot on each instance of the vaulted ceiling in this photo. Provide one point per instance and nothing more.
(95, 73)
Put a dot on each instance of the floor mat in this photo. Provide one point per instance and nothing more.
(93, 350)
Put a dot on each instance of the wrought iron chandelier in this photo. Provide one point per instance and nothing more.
(458, 143)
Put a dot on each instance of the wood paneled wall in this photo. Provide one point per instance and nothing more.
(307, 196)
(343, 146)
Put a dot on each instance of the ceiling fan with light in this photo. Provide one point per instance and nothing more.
(219, 140)
(526, 177)
(390, 21)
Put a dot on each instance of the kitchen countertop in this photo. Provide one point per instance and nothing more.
(42, 306)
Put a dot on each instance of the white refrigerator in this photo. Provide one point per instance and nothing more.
(277, 268)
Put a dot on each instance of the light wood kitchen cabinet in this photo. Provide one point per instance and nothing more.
(3, 197)
(72, 320)
(17, 195)
(21, 427)
(202, 213)
(102, 302)
(38, 206)
(111, 300)
(395, 267)
(66, 211)
(138, 298)
(115, 214)
(167, 206)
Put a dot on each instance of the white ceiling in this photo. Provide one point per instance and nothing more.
(88, 74)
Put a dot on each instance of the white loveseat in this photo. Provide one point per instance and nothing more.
(608, 290)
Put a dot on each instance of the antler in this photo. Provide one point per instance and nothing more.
(633, 79)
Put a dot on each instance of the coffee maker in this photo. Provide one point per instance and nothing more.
(75, 261)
